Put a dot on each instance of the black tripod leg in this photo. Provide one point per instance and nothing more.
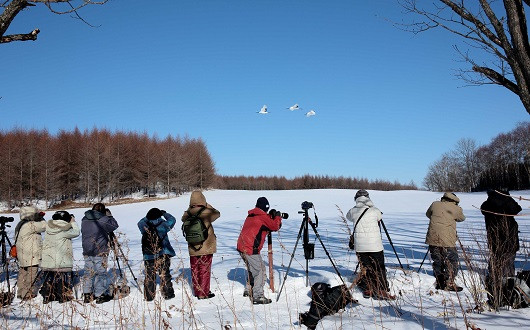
(128, 265)
(290, 261)
(327, 253)
(392, 244)
(426, 253)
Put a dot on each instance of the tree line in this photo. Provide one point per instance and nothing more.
(503, 163)
(305, 182)
(96, 164)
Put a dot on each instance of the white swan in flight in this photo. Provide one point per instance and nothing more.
(310, 113)
(294, 107)
(263, 110)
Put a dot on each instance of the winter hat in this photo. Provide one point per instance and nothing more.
(360, 193)
(28, 213)
(100, 207)
(153, 214)
(451, 197)
(197, 198)
(263, 204)
(62, 215)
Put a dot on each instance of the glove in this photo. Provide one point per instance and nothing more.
(272, 213)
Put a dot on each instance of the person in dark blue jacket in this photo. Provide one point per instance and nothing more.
(96, 227)
(157, 251)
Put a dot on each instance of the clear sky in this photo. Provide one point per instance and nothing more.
(387, 102)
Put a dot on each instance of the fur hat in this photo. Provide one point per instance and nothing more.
(62, 215)
(451, 197)
(361, 192)
(154, 214)
(263, 204)
(28, 212)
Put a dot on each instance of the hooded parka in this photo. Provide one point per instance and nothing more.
(29, 240)
(443, 217)
(208, 215)
(367, 233)
(57, 253)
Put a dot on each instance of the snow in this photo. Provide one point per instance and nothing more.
(418, 305)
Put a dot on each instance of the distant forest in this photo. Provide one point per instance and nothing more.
(503, 163)
(96, 165)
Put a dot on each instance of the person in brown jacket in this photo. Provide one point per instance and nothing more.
(441, 237)
(201, 255)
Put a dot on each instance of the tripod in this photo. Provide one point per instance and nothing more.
(309, 248)
(116, 247)
(6, 298)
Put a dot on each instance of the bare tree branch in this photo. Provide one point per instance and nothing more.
(20, 37)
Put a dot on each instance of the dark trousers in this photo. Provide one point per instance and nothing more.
(201, 268)
(373, 271)
(158, 266)
(57, 286)
(444, 264)
(500, 266)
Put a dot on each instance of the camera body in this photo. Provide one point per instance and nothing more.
(307, 205)
(6, 219)
(273, 213)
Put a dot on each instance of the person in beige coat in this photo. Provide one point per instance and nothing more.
(29, 246)
(441, 238)
(57, 257)
(201, 255)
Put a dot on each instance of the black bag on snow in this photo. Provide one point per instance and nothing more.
(194, 230)
(325, 300)
(152, 243)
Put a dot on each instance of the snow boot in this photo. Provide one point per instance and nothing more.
(88, 298)
(261, 301)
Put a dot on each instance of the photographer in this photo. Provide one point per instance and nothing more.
(256, 227)
(96, 227)
(157, 251)
(57, 257)
(29, 247)
(369, 247)
(441, 238)
(503, 240)
(201, 255)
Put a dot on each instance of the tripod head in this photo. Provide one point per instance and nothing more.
(3, 221)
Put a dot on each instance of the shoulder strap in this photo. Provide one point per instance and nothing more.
(366, 209)
(17, 230)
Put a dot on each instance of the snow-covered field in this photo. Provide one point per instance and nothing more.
(418, 304)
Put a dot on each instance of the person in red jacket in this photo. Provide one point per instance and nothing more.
(256, 227)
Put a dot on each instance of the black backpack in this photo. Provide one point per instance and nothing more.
(152, 243)
(325, 300)
(194, 230)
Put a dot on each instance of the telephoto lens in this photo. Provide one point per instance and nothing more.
(284, 215)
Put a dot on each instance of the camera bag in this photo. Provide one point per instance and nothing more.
(351, 243)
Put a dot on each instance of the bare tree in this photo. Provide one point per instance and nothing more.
(496, 34)
(11, 8)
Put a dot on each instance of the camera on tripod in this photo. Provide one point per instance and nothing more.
(307, 205)
(6, 219)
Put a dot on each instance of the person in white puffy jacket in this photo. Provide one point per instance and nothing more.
(57, 257)
(369, 247)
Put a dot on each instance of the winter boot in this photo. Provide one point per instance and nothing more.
(104, 298)
(451, 286)
(261, 301)
(88, 298)
(367, 294)
(440, 282)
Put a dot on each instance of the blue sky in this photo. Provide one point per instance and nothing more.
(387, 102)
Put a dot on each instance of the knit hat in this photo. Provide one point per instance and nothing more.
(153, 214)
(62, 215)
(28, 212)
(451, 197)
(361, 192)
(263, 204)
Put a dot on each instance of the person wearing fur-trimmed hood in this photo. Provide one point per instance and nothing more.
(29, 250)
(201, 255)
(57, 257)
(441, 238)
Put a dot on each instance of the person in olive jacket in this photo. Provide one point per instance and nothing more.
(201, 255)
(441, 238)
(503, 240)
(28, 240)
(57, 257)
(249, 244)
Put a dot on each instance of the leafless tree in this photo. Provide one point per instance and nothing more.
(12, 8)
(495, 32)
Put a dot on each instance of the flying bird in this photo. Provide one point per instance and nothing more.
(263, 110)
(310, 113)
(294, 107)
